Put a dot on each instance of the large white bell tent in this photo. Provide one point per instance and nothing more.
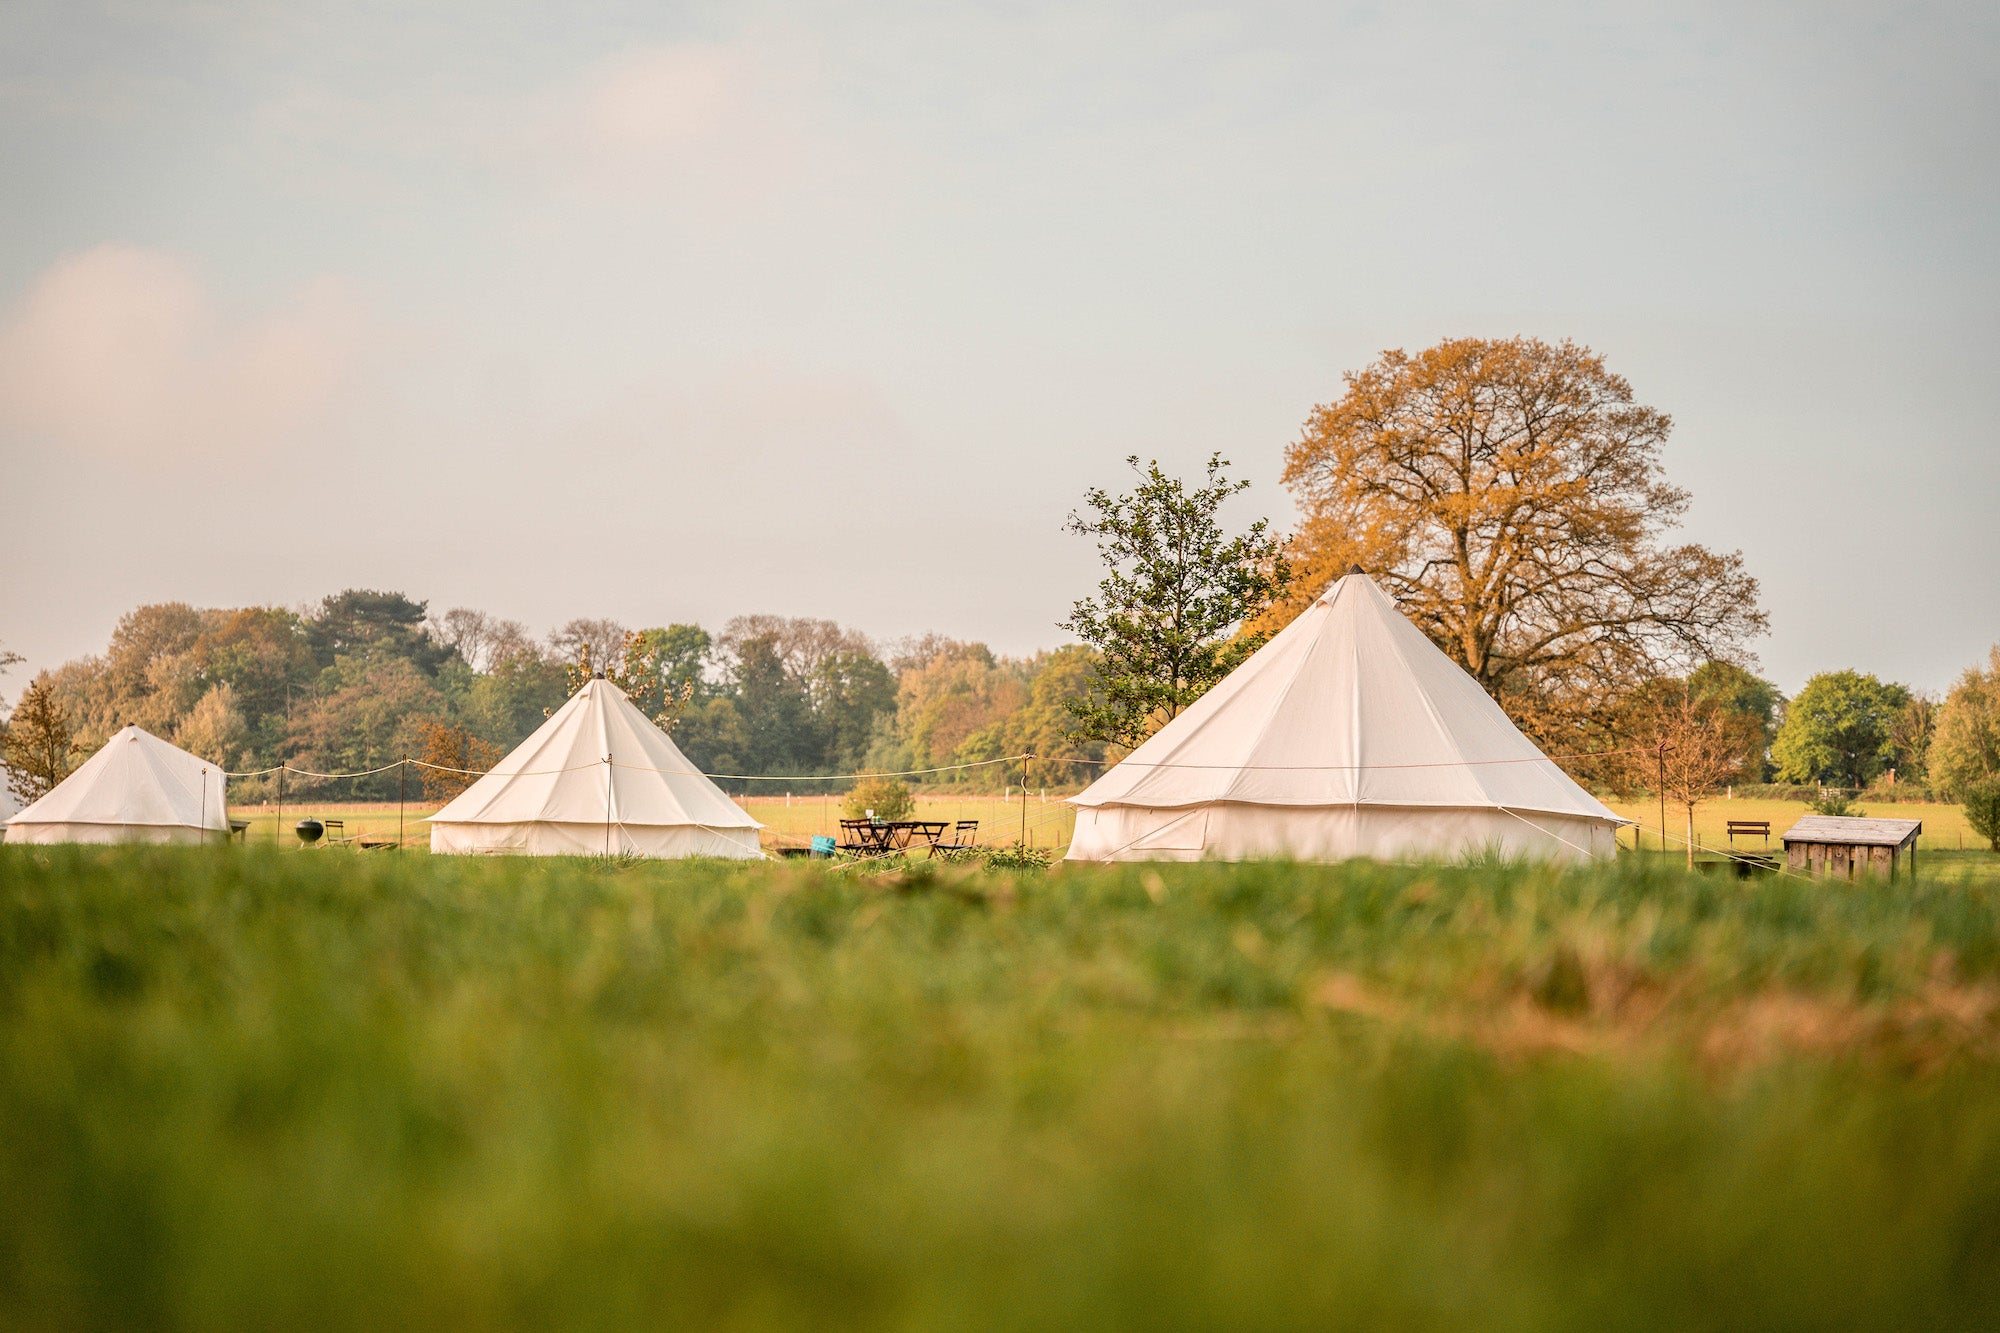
(596, 779)
(138, 788)
(1348, 734)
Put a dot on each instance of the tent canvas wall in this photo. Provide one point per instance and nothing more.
(1348, 734)
(596, 779)
(138, 788)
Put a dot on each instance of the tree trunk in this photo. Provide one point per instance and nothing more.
(1690, 835)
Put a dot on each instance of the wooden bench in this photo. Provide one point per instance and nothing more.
(1760, 827)
(375, 842)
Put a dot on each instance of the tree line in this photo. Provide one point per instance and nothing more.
(367, 677)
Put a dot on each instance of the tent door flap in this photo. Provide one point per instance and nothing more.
(1187, 832)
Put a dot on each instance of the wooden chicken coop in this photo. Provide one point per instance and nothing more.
(1839, 845)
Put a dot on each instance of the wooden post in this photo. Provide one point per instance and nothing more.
(402, 778)
(1663, 794)
(281, 804)
(1024, 798)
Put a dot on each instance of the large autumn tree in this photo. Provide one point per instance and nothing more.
(1509, 494)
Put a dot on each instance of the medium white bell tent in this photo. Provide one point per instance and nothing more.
(596, 779)
(1348, 734)
(138, 788)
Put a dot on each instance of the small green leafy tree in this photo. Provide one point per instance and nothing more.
(40, 743)
(886, 797)
(1166, 623)
(1981, 800)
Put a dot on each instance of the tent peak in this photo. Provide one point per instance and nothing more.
(1356, 569)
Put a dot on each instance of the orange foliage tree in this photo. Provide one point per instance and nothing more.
(1508, 493)
(459, 758)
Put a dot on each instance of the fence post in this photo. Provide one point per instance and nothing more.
(1024, 798)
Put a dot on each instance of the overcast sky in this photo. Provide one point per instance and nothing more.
(679, 312)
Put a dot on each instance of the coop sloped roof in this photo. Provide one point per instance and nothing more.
(1846, 830)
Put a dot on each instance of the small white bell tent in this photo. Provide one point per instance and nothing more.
(1348, 734)
(138, 788)
(596, 779)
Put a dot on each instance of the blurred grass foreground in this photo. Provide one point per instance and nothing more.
(253, 1089)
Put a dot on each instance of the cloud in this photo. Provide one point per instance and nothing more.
(120, 351)
(718, 126)
(707, 135)
(660, 99)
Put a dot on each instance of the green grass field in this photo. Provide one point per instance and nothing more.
(248, 1089)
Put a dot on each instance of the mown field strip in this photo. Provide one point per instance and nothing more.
(796, 819)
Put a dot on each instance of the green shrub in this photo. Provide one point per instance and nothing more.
(1981, 800)
(1833, 801)
(887, 797)
(1003, 856)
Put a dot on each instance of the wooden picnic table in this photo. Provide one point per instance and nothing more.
(891, 835)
